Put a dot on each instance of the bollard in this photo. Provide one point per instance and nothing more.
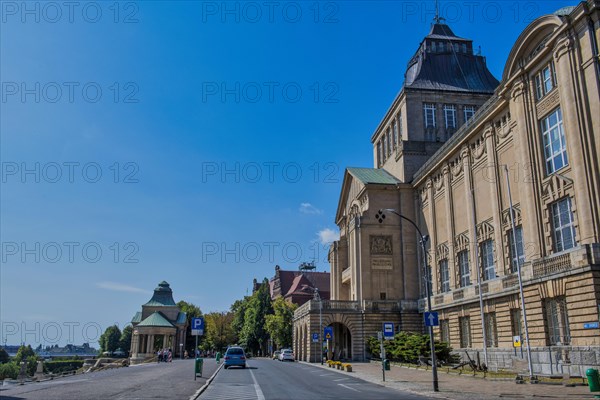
(198, 365)
(218, 357)
(593, 381)
(386, 364)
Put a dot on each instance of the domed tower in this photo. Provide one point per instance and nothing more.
(446, 83)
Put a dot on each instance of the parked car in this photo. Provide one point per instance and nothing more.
(234, 357)
(276, 355)
(286, 355)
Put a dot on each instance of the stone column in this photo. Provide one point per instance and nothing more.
(576, 133)
(450, 226)
(465, 154)
(433, 238)
(150, 346)
(164, 345)
(532, 233)
(493, 178)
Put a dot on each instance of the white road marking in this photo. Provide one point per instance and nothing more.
(326, 374)
(342, 379)
(259, 393)
(347, 387)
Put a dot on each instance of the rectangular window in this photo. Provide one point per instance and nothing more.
(399, 127)
(389, 143)
(557, 321)
(539, 92)
(487, 260)
(429, 113)
(445, 330)
(444, 276)
(545, 81)
(383, 149)
(469, 112)
(517, 254)
(382, 296)
(563, 225)
(379, 160)
(464, 47)
(491, 330)
(463, 268)
(450, 116)
(433, 47)
(516, 327)
(555, 146)
(395, 134)
(464, 324)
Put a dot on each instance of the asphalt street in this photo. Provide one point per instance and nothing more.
(268, 380)
(173, 380)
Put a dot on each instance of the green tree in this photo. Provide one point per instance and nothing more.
(254, 334)
(238, 308)
(219, 331)
(109, 340)
(279, 324)
(26, 354)
(23, 354)
(191, 311)
(125, 339)
(3, 356)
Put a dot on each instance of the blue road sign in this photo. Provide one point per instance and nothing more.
(431, 318)
(590, 325)
(198, 326)
(315, 338)
(388, 330)
(328, 333)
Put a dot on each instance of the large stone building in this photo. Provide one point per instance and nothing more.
(160, 325)
(441, 155)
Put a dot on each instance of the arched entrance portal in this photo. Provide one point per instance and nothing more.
(340, 348)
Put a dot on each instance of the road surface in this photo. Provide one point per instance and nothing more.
(173, 380)
(269, 380)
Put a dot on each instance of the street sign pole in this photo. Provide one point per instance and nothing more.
(382, 353)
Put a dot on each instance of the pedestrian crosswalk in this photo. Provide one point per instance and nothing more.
(230, 391)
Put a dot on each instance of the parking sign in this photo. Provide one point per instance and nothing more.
(198, 326)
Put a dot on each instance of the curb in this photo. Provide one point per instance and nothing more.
(205, 386)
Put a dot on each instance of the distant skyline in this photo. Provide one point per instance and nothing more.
(200, 143)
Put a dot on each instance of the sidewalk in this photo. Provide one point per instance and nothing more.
(460, 386)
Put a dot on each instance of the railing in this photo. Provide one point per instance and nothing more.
(552, 265)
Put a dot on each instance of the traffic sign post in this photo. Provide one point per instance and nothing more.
(328, 335)
(432, 318)
(388, 330)
(197, 330)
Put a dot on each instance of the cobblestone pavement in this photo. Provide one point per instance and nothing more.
(462, 387)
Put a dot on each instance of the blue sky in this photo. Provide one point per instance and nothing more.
(200, 143)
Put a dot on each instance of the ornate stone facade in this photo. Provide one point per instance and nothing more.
(536, 133)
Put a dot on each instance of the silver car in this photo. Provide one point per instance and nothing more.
(286, 355)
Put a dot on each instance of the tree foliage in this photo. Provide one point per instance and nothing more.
(218, 331)
(109, 340)
(191, 311)
(254, 334)
(26, 354)
(3, 356)
(125, 339)
(409, 346)
(279, 325)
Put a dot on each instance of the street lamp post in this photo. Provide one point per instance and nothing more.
(380, 217)
(318, 297)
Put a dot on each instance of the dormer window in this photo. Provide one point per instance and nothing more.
(433, 47)
(464, 48)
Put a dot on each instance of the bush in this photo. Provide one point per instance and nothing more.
(408, 347)
(9, 370)
(60, 366)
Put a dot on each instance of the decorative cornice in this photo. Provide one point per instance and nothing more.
(517, 90)
(562, 47)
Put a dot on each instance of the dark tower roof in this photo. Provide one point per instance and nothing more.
(445, 61)
(163, 296)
